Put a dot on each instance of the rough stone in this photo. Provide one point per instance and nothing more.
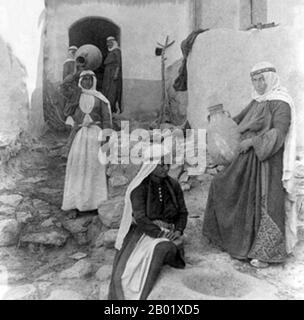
(185, 186)
(44, 287)
(80, 269)
(109, 238)
(47, 223)
(184, 178)
(300, 207)
(16, 277)
(175, 171)
(46, 277)
(300, 232)
(4, 275)
(79, 256)
(26, 292)
(99, 242)
(42, 207)
(50, 191)
(104, 273)
(55, 237)
(94, 229)
(113, 168)
(212, 172)
(7, 210)
(9, 230)
(131, 170)
(58, 224)
(34, 180)
(77, 225)
(118, 181)
(210, 281)
(24, 217)
(220, 168)
(204, 177)
(110, 212)
(104, 290)
(81, 238)
(11, 200)
(60, 294)
(37, 203)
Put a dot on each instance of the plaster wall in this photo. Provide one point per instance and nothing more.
(221, 74)
(142, 26)
(14, 104)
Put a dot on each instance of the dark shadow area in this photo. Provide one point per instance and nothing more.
(94, 30)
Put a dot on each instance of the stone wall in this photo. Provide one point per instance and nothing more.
(142, 26)
(14, 104)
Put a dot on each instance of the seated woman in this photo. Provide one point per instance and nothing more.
(155, 203)
(246, 213)
(85, 182)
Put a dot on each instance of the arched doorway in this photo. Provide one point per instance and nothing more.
(94, 30)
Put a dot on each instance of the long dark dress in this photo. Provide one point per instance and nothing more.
(69, 67)
(146, 209)
(111, 87)
(245, 212)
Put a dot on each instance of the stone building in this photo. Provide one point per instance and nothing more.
(138, 25)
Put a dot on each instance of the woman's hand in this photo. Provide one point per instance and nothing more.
(105, 148)
(245, 145)
(173, 235)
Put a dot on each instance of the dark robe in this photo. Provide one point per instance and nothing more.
(112, 79)
(146, 210)
(68, 68)
(245, 212)
(180, 83)
(100, 114)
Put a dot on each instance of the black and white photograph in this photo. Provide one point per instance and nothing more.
(152, 150)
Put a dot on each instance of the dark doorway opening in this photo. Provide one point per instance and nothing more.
(94, 30)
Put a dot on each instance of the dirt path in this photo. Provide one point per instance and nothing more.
(56, 258)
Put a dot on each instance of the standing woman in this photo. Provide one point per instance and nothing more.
(250, 211)
(85, 182)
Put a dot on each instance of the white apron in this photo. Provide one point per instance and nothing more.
(85, 183)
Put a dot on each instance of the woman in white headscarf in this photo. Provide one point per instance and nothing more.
(251, 211)
(151, 230)
(85, 182)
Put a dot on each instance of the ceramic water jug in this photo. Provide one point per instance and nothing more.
(92, 56)
(223, 137)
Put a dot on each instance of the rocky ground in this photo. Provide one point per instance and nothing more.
(48, 254)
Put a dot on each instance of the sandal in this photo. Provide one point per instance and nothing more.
(259, 264)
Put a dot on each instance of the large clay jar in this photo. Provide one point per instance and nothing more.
(223, 138)
(91, 55)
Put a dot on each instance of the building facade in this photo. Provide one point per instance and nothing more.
(139, 25)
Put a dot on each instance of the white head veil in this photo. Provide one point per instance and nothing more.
(93, 91)
(275, 91)
(157, 151)
(115, 43)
